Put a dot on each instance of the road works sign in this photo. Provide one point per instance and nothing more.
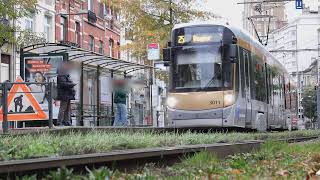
(299, 4)
(153, 52)
(22, 105)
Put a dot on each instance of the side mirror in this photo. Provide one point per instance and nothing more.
(231, 53)
(167, 54)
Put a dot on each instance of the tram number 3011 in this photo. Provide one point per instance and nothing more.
(215, 102)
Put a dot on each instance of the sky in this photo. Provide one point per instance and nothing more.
(232, 11)
(228, 9)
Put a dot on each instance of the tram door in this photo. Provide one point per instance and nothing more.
(247, 69)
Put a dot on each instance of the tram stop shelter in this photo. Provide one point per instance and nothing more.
(94, 99)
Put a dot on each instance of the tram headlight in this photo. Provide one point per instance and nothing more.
(228, 99)
(171, 101)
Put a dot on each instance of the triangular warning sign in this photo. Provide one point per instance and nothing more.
(22, 105)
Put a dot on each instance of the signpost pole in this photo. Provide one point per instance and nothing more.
(50, 105)
(153, 55)
(81, 96)
(98, 97)
(5, 108)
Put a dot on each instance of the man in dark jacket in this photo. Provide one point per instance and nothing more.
(66, 93)
(120, 99)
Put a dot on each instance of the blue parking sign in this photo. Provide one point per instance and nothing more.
(299, 4)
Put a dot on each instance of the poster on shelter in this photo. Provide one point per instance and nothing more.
(40, 69)
(106, 90)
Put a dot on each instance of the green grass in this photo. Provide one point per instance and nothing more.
(273, 161)
(53, 145)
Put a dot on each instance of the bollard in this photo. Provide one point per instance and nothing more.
(5, 108)
(50, 105)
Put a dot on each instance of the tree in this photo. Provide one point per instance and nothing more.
(149, 21)
(309, 103)
(13, 10)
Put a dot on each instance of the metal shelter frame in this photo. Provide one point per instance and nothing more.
(85, 58)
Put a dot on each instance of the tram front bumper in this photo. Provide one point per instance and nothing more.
(197, 123)
(205, 118)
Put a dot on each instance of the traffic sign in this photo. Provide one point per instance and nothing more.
(22, 105)
(299, 4)
(153, 51)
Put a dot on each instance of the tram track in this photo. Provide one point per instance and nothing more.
(130, 159)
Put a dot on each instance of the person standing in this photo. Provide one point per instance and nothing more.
(120, 99)
(66, 93)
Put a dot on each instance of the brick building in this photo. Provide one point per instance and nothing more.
(89, 24)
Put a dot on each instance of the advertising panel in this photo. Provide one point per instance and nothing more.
(43, 68)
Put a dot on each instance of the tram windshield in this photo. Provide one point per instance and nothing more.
(200, 68)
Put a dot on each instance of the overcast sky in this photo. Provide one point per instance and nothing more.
(230, 10)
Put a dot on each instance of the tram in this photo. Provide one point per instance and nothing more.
(222, 77)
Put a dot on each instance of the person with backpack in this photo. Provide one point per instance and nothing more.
(120, 99)
(65, 94)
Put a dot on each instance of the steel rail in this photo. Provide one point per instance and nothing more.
(122, 157)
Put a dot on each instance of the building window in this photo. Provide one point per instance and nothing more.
(78, 33)
(111, 44)
(116, 14)
(101, 10)
(106, 9)
(63, 31)
(91, 43)
(47, 28)
(90, 5)
(101, 47)
(5, 67)
(29, 23)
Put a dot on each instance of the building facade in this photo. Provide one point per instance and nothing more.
(296, 47)
(259, 13)
(39, 28)
(89, 24)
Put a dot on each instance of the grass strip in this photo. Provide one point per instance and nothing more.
(73, 143)
(274, 160)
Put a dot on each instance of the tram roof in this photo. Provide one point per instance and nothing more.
(240, 33)
(84, 56)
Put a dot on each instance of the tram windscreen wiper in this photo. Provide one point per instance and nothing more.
(214, 77)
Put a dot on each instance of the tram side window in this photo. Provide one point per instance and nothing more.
(259, 72)
(275, 82)
(293, 97)
(247, 65)
(242, 73)
(281, 90)
(252, 78)
(283, 93)
(269, 83)
(237, 77)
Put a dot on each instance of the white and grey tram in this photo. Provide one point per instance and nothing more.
(222, 77)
